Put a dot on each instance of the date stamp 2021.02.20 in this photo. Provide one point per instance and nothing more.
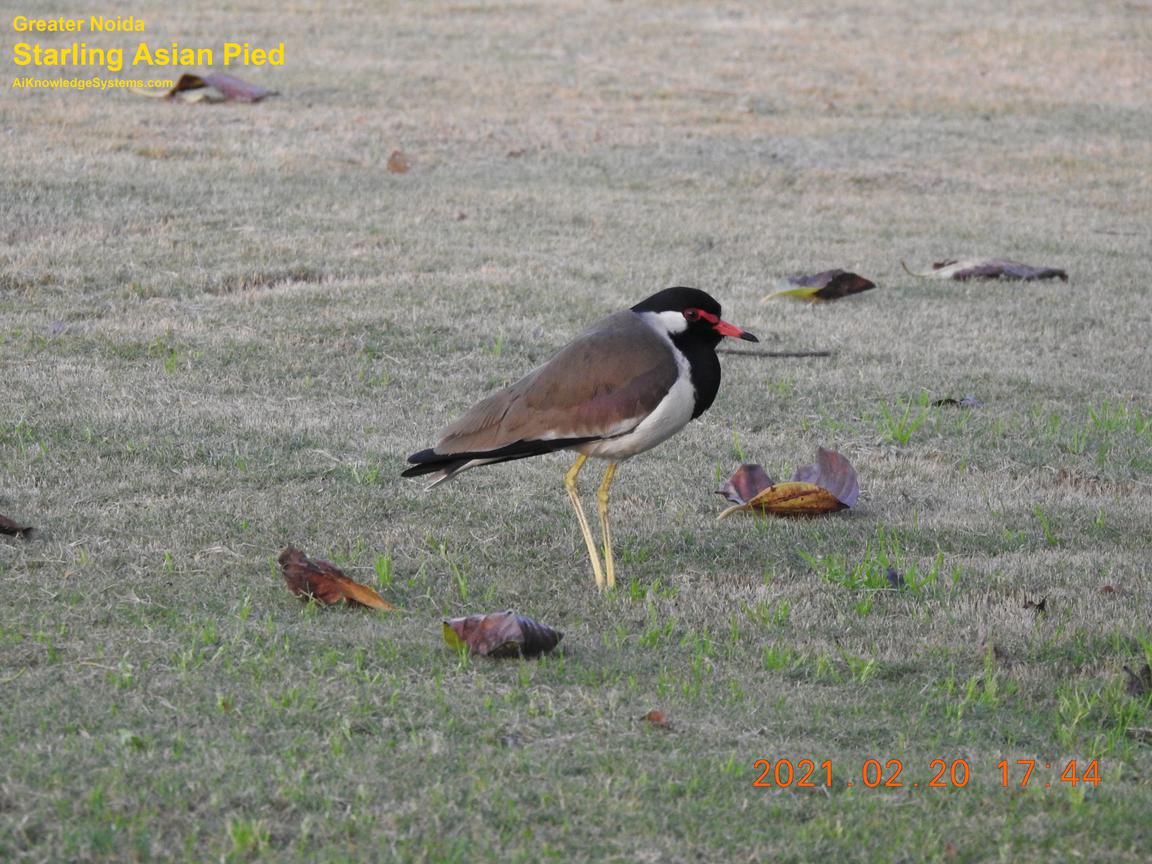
(939, 774)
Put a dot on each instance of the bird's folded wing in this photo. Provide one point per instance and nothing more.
(601, 384)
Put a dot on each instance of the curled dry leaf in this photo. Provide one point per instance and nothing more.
(823, 287)
(308, 578)
(215, 87)
(744, 485)
(824, 487)
(658, 719)
(398, 162)
(833, 472)
(987, 268)
(7, 526)
(791, 499)
(501, 634)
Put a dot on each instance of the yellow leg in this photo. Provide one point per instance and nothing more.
(570, 485)
(605, 530)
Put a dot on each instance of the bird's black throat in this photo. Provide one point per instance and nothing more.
(699, 347)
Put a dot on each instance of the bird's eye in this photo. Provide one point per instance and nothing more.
(692, 314)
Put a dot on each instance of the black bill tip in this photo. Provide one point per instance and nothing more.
(748, 337)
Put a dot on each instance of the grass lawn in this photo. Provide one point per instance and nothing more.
(224, 327)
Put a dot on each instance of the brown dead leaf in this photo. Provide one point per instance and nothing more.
(658, 719)
(791, 499)
(214, 87)
(824, 287)
(501, 634)
(990, 268)
(834, 473)
(824, 487)
(7, 526)
(748, 481)
(398, 162)
(308, 578)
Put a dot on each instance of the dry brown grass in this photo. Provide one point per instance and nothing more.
(222, 328)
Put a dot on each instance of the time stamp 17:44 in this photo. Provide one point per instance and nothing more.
(941, 774)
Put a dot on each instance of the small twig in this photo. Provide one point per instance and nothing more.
(11, 678)
(775, 353)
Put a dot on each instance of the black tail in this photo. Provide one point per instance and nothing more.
(429, 461)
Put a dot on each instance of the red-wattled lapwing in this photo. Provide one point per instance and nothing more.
(621, 387)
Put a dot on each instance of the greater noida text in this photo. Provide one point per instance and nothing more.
(142, 54)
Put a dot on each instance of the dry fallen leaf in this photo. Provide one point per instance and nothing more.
(990, 268)
(834, 473)
(658, 719)
(7, 526)
(314, 578)
(501, 634)
(823, 287)
(398, 162)
(214, 87)
(745, 484)
(824, 487)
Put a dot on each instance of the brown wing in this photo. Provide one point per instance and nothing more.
(602, 383)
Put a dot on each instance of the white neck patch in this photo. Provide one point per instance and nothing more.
(666, 322)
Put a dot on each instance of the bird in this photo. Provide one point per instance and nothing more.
(629, 382)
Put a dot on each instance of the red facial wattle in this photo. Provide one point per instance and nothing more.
(721, 327)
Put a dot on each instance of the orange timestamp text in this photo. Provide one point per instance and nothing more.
(942, 774)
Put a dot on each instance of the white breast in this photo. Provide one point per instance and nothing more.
(670, 415)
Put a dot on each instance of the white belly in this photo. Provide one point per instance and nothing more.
(670, 416)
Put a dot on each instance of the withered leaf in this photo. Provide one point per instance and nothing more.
(988, 268)
(308, 578)
(214, 87)
(748, 481)
(834, 473)
(7, 526)
(1139, 683)
(501, 634)
(824, 287)
(658, 719)
(790, 499)
(398, 162)
(824, 487)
